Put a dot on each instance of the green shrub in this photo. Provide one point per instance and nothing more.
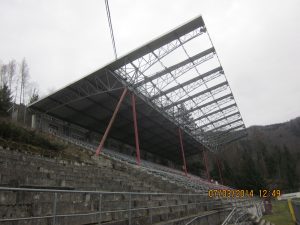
(15, 133)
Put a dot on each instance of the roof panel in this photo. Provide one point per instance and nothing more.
(90, 101)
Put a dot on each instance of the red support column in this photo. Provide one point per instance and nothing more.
(136, 134)
(182, 151)
(206, 167)
(99, 149)
(220, 172)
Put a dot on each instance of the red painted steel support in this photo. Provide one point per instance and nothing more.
(99, 149)
(206, 167)
(220, 172)
(136, 134)
(182, 151)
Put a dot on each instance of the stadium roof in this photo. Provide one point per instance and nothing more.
(178, 82)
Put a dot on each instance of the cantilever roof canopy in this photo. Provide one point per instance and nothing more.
(179, 83)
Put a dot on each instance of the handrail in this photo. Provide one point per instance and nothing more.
(204, 215)
(230, 215)
(150, 166)
(206, 202)
(100, 194)
(96, 192)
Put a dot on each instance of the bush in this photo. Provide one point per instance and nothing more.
(14, 133)
(5, 100)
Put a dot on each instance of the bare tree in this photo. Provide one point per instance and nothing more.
(34, 96)
(24, 76)
(3, 75)
(11, 71)
(32, 92)
(1, 66)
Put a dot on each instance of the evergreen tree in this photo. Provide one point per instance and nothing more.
(228, 175)
(290, 170)
(250, 177)
(271, 165)
(5, 100)
(34, 97)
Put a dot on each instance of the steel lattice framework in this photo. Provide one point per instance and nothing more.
(201, 103)
(178, 80)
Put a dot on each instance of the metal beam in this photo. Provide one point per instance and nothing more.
(220, 119)
(182, 31)
(136, 133)
(220, 171)
(229, 135)
(206, 165)
(214, 112)
(225, 83)
(176, 66)
(223, 133)
(234, 139)
(224, 125)
(187, 82)
(206, 104)
(182, 151)
(99, 149)
(161, 90)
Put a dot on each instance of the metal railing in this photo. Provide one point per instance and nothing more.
(192, 181)
(97, 200)
(243, 212)
(296, 209)
(229, 217)
(196, 219)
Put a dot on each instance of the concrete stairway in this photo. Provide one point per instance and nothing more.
(260, 221)
(102, 174)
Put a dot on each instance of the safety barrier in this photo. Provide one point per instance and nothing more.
(296, 210)
(102, 202)
(101, 206)
(173, 175)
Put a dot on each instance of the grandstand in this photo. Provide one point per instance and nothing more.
(109, 190)
(170, 99)
(178, 91)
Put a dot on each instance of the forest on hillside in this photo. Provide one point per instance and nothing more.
(268, 158)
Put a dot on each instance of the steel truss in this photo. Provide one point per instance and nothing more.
(206, 112)
(186, 85)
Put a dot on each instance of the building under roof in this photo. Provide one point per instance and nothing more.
(178, 82)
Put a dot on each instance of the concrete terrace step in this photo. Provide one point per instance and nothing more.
(200, 218)
(260, 221)
(68, 172)
(106, 174)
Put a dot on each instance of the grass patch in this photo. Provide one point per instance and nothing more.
(13, 133)
(281, 213)
(16, 137)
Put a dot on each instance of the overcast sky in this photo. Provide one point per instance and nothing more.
(258, 43)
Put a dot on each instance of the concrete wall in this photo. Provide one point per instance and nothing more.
(53, 125)
(23, 170)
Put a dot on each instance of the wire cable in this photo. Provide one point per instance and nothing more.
(111, 28)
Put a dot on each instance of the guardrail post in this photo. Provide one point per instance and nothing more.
(129, 210)
(100, 205)
(168, 205)
(258, 214)
(296, 209)
(188, 211)
(54, 209)
(150, 209)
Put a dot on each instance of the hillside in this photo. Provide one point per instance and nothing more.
(268, 157)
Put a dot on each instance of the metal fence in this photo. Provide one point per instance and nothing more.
(192, 181)
(63, 203)
(296, 209)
